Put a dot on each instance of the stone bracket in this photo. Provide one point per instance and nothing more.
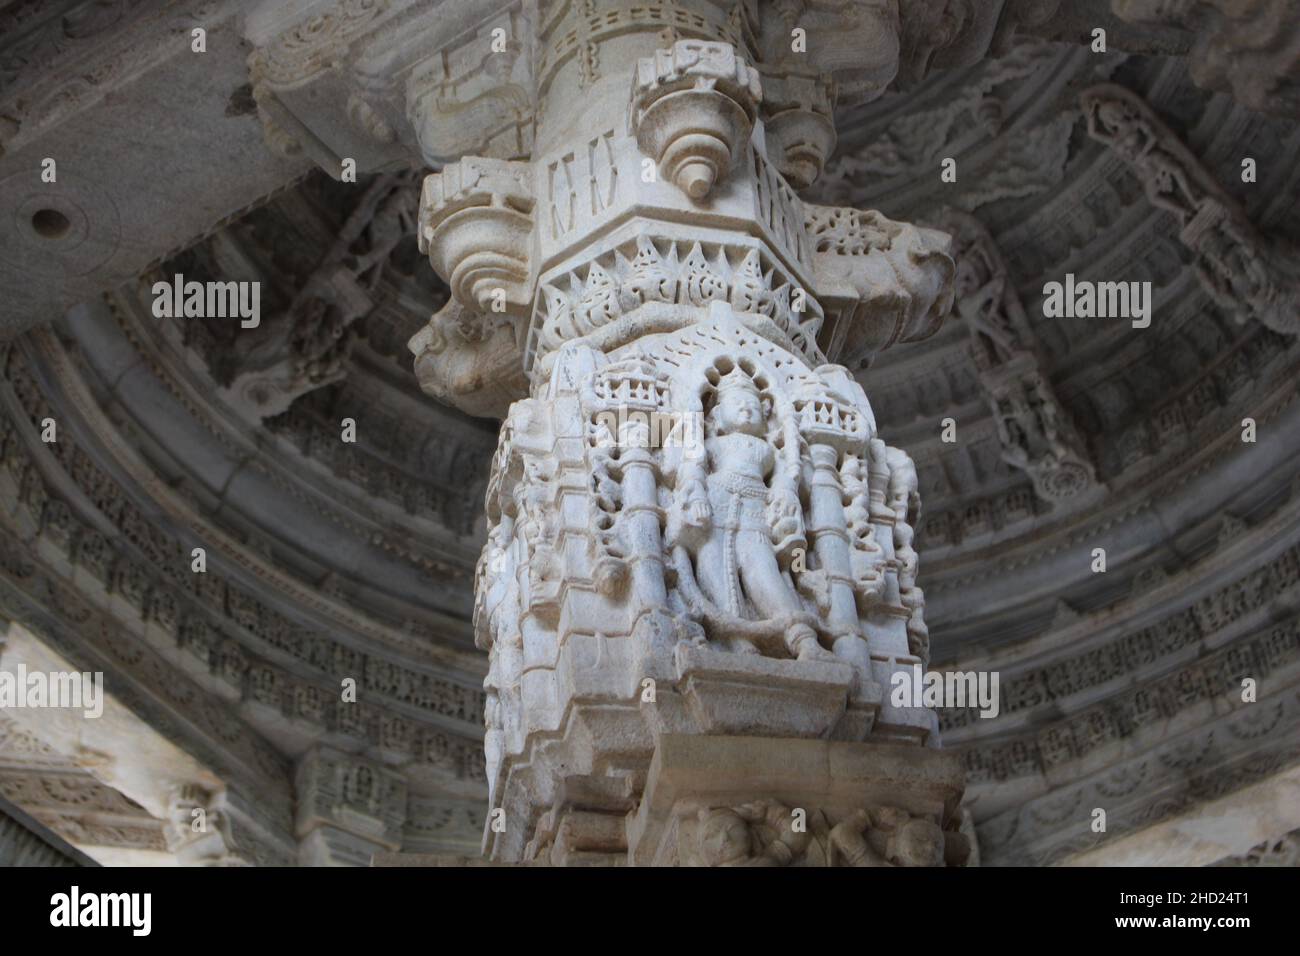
(476, 228)
(689, 774)
(731, 693)
(693, 109)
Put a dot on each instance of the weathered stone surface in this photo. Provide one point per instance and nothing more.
(740, 801)
(132, 186)
(1247, 49)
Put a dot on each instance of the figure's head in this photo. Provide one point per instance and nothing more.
(917, 843)
(1112, 115)
(1118, 124)
(724, 837)
(737, 406)
(903, 485)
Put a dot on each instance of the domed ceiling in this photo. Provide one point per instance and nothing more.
(329, 559)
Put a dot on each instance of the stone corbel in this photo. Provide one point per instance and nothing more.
(470, 361)
(881, 282)
(198, 829)
(799, 123)
(475, 96)
(693, 109)
(348, 809)
(476, 225)
(380, 82)
(853, 45)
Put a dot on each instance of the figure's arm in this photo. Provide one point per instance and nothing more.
(788, 466)
(784, 511)
(688, 514)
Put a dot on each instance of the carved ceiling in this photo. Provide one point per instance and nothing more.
(330, 559)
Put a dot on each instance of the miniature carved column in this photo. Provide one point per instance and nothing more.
(198, 829)
(699, 579)
(348, 809)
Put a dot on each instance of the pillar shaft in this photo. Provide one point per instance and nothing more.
(697, 542)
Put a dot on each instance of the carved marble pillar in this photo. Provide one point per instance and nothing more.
(699, 577)
(698, 583)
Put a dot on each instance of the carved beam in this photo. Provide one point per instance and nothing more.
(1251, 50)
(1248, 274)
(1036, 432)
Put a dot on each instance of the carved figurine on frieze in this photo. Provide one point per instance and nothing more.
(736, 519)
(889, 836)
(762, 833)
(766, 833)
(905, 501)
(867, 557)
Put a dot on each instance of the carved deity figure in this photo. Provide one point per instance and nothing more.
(762, 833)
(737, 514)
(1135, 139)
(905, 501)
(866, 557)
(887, 837)
(1026, 422)
(984, 298)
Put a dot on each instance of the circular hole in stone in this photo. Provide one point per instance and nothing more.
(50, 223)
